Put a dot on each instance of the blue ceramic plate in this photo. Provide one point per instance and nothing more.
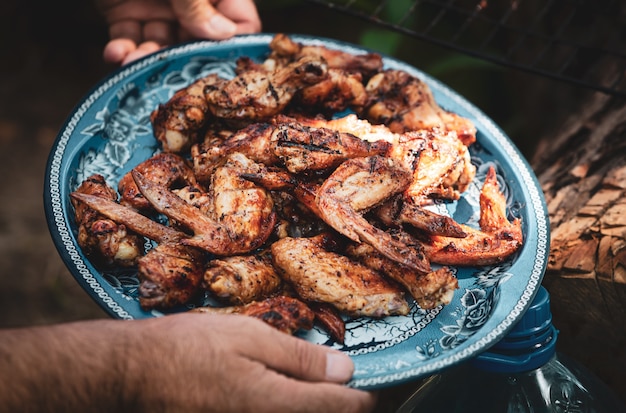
(109, 133)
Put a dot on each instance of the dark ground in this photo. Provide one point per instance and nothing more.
(51, 57)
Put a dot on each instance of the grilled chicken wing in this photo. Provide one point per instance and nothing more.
(285, 50)
(101, 238)
(301, 148)
(340, 91)
(287, 314)
(399, 211)
(427, 289)
(341, 199)
(170, 275)
(330, 319)
(234, 217)
(405, 103)
(441, 164)
(287, 142)
(259, 94)
(242, 279)
(178, 123)
(319, 275)
(167, 169)
(497, 239)
(254, 141)
(130, 218)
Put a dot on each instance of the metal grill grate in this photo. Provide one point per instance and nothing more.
(578, 41)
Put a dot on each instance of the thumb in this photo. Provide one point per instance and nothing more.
(202, 20)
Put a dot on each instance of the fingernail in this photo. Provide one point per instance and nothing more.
(339, 367)
(220, 25)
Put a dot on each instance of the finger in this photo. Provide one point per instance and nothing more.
(296, 357)
(142, 50)
(243, 12)
(160, 32)
(116, 50)
(201, 19)
(126, 29)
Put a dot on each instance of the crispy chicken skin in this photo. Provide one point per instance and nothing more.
(254, 141)
(284, 49)
(440, 162)
(170, 275)
(301, 148)
(319, 275)
(167, 169)
(341, 90)
(179, 122)
(496, 241)
(101, 238)
(330, 319)
(399, 211)
(428, 289)
(405, 103)
(234, 217)
(286, 142)
(129, 217)
(241, 279)
(341, 199)
(286, 314)
(258, 94)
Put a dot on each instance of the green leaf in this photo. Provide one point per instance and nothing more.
(383, 41)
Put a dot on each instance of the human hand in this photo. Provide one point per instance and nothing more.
(230, 363)
(140, 27)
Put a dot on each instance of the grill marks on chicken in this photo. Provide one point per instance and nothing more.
(342, 196)
(234, 216)
(405, 103)
(286, 142)
(440, 162)
(286, 215)
(259, 94)
(286, 314)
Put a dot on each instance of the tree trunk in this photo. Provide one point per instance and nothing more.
(582, 170)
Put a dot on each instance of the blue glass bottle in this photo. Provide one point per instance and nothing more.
(523, 373)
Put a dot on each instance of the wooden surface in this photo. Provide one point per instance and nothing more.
(582, 169)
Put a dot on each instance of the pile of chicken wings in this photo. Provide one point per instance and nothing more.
(281, 209)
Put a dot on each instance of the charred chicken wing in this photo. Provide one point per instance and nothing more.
(101, 238)
(170, 275)
(323, 276)
(241, 279)
(286, 314)
(405, 103)
(341, 200)
(235, 216)
(497, 239)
